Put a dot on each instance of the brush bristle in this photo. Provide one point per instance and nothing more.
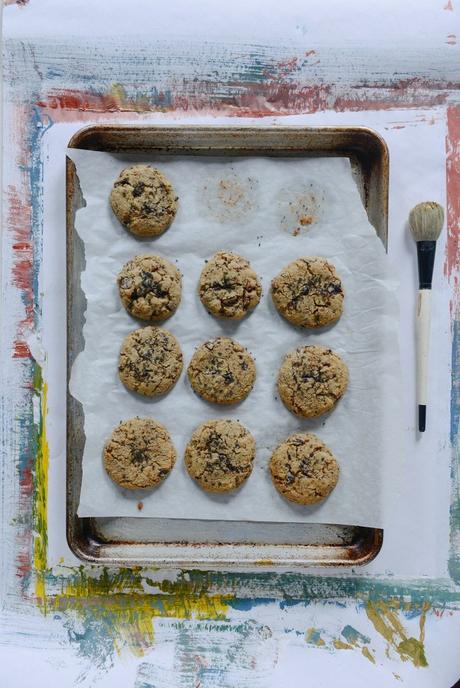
(426, 221)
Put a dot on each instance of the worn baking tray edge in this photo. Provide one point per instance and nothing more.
(370, 162)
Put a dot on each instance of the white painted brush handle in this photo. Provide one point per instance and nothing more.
(422, 333)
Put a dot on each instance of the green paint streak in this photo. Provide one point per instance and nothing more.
(386, 621)
(413, 649)
(368, 654)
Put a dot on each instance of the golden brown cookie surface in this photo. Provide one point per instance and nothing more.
(229, 287)
(149, 287)
(143, 200)
(308, 292)
(311, 380)
(303, 469)
(222, 371)
(220, 455)
(150, 361)
(139, 454)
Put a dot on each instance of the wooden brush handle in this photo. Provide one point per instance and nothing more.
(422, 331)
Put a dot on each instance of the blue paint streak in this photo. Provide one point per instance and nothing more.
(454, 555)
(352, 636)
(455, 390)
(245, 604)
(37, 129)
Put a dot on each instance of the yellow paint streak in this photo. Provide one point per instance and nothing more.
(41, 496)
(131, 616)
(340, 645)
(368, 654)
(384, 617)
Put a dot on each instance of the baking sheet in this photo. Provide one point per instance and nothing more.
(272, 211)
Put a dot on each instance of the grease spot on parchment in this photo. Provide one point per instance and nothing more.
(230, 198)
(300, 208)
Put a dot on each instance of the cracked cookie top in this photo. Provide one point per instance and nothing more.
(308, 292)
(311, 380)
(150, 361)
(229, 287)
(220, 455)
(303, 469)
(222, 371)
(143, 200)
(150, 287)
(139, 454)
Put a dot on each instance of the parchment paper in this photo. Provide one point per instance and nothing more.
(271, 211)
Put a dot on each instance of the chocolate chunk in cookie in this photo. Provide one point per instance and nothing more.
(303, 469)
(150, 287)
(311, 380)
(150, 361)
(220, 455)
(139, 454)
(229, 287)
(222, 371)
(308, 292)
(143, 200)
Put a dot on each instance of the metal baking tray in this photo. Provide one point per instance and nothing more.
(192, 544)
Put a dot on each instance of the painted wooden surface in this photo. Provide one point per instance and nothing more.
(395, 68)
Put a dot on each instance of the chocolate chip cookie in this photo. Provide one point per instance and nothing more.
(150, 287)
(222, 371)
(311, 380)
(139, 454)
(220, 455)
(143, 200)
(150, 361)
(303, 469)
(308, 292)
(229, 287)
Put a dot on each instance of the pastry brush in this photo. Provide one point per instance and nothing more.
(425, 221)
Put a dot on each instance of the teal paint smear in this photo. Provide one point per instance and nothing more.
(454, 553)
(353, 636)
(455, 390)
(250, 590)
(314, 637)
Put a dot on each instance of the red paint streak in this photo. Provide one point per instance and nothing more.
(276, 96)
(21, 350)
(452, 258)
(280, 99)
(286, 67)
(449, 6)
(25, 535)
(86, 102)
(406, 93)
(23, 564)
(18, 222)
